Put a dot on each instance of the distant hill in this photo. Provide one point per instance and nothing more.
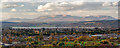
(102, 23)
(54, 18)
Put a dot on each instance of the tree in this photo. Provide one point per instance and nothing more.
(119, 39)
(65, 38)
(76, 41)
(61, 44)
(40, 37)
(4, 39)
(10, 39)
(61, 39)
(29, 38)
(105, 42)
(54, 43)
(52, 34)
(92, 38)
(82, 38)
(74, 33)
(71, 38)
(50, 38)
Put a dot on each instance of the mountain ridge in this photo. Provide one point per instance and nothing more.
(101, 23)
(54, 18)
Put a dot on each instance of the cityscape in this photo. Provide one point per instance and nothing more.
(58, 36)
(60, 24)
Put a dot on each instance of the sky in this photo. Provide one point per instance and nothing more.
(58, 0)
(30, 10)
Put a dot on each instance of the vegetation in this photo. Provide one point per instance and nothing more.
(61, 37)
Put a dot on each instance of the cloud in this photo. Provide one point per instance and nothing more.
(68, 6)
(110, 4)
(11, 5)
(107, 4)
(22, 15)
(58, 6)
(0, 5)
(115, 3)
(77, 2)
(13, 10)
(22, 5)
(57, 0)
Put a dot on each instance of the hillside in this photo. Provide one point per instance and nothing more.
(55, 18)
(102, 23)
